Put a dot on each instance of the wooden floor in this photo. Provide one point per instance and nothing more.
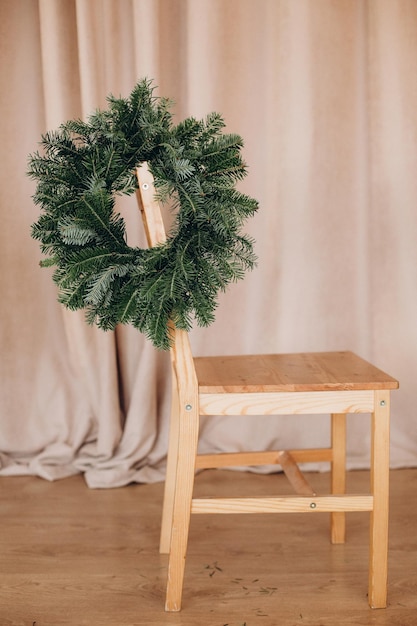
(78, 557)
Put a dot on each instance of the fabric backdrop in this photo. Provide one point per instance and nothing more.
(324, 93)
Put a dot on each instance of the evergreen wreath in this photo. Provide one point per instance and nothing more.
(84, 165)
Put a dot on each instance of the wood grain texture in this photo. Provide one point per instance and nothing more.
(184, 420)
(71, 556)
(287, 403)
(338, 474)
(378, 564)
(293, 504)
(149, 207)
(295, 477)
(318, 371)
(263, 457)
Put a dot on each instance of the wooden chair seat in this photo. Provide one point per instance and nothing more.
(311, 371)
(337, 383)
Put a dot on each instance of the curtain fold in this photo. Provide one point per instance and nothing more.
(324, 94)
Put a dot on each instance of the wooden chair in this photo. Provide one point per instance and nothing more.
(331, 382)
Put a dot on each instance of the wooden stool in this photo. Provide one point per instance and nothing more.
(337, 383)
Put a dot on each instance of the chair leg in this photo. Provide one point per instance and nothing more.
(338, 474)
(171, 471)
(187, 444)
(378, 553)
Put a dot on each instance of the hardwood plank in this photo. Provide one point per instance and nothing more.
(292, 504)
(308, 403)
(338, 474)
(295, 476)
(316, 371)
(264, 457)
(71, 556)
(149, 207)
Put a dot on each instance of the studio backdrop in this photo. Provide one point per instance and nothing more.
(324, 93)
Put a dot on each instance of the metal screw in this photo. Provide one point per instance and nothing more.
(188, 407)
(313, 505)
(145, 186)
(382, 403)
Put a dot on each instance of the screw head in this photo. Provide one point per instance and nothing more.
(313, 505)
(188, 407)
(145, 186)
(382, 403)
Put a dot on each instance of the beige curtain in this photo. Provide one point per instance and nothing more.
(324, 93)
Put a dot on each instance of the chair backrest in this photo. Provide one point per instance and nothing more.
(181, 356)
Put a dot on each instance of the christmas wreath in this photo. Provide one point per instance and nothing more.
(84, 165)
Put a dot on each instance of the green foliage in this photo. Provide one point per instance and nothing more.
(83, 166)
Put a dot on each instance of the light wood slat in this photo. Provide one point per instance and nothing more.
(302, 403)
(171, 471)
(287, 504)
(186, 439)
(269, 457)
(378, 553)
(184, 422)
(311, 371)
(149, 207)
(295, 477)
(338, 474)
(155, 235)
